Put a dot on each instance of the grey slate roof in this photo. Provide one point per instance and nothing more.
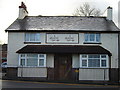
(62, 23)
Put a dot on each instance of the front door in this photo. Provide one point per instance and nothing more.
(63, 66)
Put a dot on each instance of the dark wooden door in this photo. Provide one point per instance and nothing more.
(63, 66)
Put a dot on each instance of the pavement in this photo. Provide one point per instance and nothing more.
(2, 75)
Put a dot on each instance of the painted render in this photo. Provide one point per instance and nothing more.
(108, 41)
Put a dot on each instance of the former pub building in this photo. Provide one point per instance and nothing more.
(63, 48)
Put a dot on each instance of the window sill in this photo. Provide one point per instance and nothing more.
(92, 43)
(32, 42)
(32, 66)
(93, 68)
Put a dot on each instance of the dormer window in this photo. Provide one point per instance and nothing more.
(92, 38)
(32, 37)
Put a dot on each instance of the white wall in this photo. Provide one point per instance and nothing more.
(81, 38)
(15, 42)
(75, 61)
(50, 60)
(110, 42)
(43, 38)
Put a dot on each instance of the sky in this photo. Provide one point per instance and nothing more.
(9, 10)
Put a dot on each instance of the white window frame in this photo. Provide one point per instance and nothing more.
(89, 41)
(32, 66)
(107, 63)
(35, 34)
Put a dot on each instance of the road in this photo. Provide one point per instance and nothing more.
(30, 84)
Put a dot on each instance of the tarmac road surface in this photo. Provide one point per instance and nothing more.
(30, 84)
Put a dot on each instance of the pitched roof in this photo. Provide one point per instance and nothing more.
(62, 23)
(71, 49)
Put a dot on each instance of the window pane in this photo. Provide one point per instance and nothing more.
(41, 62)
(84, 62)
(41, 55)
(27, 36)
(103, 63)
(22, 62)
(37, 37)
(32, 55)
(92, 37)
(98, 37)
(94, 56)
(86, 37)
(22, 55)
(32, 59)
(32, 37)
(32, 62)
(84, 56)
(93, 62)
(103, 56)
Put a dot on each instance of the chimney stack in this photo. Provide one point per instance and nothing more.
(109, 13)
(22, 11)
(119, 14)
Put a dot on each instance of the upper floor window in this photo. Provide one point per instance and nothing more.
(92, 37)
(32, 37)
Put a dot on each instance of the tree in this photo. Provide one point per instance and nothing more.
(87, 10)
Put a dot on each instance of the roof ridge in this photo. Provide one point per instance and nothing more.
(71, 16)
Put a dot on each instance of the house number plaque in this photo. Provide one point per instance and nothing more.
(62, 38)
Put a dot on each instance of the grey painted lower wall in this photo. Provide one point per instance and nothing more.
(94, 74)
(32, 72)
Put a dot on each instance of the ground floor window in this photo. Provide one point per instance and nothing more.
(32, 60)
(94, 60)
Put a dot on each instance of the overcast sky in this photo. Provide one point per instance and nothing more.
(9, 10)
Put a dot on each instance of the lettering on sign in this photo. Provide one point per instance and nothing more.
(62, 38)
(54, 38)
(69, 38)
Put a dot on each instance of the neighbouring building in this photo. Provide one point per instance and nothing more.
(3, 53)
(63, 48)
(0, 54)
(0, 57)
